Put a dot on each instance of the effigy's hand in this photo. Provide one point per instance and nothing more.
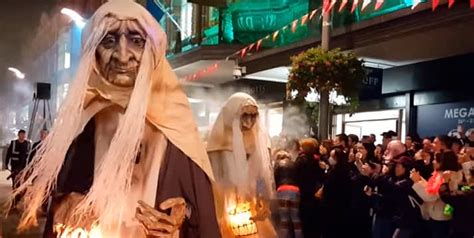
(262, 211)
(64, 211)
(158, 224)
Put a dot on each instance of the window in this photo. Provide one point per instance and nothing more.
(275, 121)
(67, 60)
(186, 20)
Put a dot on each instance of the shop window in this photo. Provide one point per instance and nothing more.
(275, 121)
(374, 122)
(186, 20)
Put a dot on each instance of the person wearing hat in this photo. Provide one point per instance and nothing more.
(387, 137)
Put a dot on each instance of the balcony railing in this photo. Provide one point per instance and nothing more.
(247, 21)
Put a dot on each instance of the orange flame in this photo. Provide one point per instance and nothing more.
(68, 232)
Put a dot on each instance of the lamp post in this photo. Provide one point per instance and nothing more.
(76, 17)
(17, 72)
(323, 130)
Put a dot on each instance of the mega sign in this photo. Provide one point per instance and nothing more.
(444, 118)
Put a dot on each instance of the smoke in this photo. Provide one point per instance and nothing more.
(38, 58)
(295, 123)
(206, 103)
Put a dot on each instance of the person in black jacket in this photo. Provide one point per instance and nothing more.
(463, 203)
(17, 156)
(383, 202)
(310, 178)
(336, 197)
(37, 144)
(407, 214)
(360, 213)
(16, 159)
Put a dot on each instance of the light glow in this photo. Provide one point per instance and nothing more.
(78, 19)
(67, 60)
(240, 220)
(17, 72)
(68, 232)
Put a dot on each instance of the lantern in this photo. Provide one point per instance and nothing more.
(240, 221)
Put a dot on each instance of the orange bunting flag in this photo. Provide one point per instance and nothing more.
(251, 46)
(259, 43)
(354, 5)
(313, 13)
(304, 19)
(450, 3)
(343, 4)
(365, 3)
(294, 25)
(243, 52)
(378, 4)
(275, 35)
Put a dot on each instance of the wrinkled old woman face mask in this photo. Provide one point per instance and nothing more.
(248, 117)
(120, 51)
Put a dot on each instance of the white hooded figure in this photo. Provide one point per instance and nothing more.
(239, 151)
(124, 152)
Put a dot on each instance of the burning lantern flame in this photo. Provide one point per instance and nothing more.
(240, 221)
(68, 232)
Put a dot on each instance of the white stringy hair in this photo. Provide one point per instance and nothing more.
(246, 174)
(47, 163)
(106, 198)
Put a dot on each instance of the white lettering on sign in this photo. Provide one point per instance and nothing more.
(454, 113)
(370, 81)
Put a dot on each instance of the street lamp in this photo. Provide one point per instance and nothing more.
(17, 72)
(80, 21)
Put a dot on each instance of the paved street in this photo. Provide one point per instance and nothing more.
(8, 225)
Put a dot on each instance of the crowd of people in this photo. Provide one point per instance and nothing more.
(348, 187)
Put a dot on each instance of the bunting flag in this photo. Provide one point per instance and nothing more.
(304, 19)
(326, 5)
(259, 43)
(415, 3)
(333, 2)
(295, 24)
(313, 13)
(275, 35)
(365, 3)
(434, 4)
(378, 4)
(450, 3)
(354, 5)
(243, 52)
(251, 46)
(343, 4)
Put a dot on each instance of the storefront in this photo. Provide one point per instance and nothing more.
(428, 98)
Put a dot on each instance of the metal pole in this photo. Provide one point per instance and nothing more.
(324, 94)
